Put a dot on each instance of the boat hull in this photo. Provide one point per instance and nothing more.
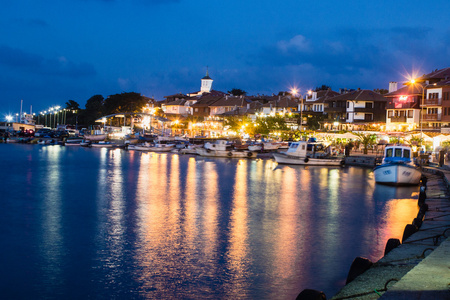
(95, 137)
(397, 174)
(225, 153)
(292, 160)
(152, 149)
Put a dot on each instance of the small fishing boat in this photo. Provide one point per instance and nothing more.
(45, 141)
(154, 147)
(85, 143)
(102, 144)
(95, 137)
(397, 167)
(265, 146)
(73, 142)
(304, 153)
(221, 148)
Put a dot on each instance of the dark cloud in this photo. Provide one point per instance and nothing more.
(353, 51)
(32, 63)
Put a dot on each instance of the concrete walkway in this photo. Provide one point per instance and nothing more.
(420, 267)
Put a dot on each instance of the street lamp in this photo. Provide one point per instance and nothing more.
(294, 91)
(413, 82)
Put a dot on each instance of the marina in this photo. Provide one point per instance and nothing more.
(163, 225)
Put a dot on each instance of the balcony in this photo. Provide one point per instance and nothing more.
(334, 109)
(432, 102)
(364, 109)
(431, 117)
(402, 105)
(398, 119)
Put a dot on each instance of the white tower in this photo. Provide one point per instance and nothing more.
(206, 83)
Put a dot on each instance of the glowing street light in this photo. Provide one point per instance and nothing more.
(414, 82)
(294, 91)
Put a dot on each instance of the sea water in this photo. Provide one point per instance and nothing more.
(78, 223)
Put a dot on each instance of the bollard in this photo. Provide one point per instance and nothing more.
(417, 222)
(410, 229)
(359, 266)
(391, 244)
(308, 294)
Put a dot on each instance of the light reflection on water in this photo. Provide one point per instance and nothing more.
(124, 224)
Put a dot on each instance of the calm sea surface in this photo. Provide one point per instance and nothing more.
(79, 223)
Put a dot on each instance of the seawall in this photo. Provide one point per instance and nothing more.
(418, 268)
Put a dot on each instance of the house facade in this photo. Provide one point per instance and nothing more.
(424, 104)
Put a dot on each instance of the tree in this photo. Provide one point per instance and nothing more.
(267, 124)
(72, 105)
(381, 91)
(237, 92)
(322, 88)
(93, 111)
(366, 139)
(125, 102)
(313, 121)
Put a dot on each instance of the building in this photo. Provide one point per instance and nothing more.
(355, 109)
(424, 104)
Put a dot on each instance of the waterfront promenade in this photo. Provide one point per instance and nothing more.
(419, 267)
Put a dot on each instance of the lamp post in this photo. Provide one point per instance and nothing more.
(413, 82)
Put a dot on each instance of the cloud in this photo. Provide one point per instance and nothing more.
(36, 64)
(354, 51)
(297, 43)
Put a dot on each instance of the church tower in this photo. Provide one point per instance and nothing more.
(206, 83)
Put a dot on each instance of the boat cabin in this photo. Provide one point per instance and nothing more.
(218, 145)
(306, 149)
(397, 153)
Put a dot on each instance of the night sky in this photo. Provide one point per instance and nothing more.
(53, 51)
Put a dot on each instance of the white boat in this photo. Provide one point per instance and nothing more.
(95, 137)
(397, 167)
(264, 146)
(298, 154)
(45, 141)
(221, 148)
(85, 143)
(153, 147)
(102, 144)
(73, 142)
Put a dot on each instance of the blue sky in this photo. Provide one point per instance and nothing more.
(53, 51)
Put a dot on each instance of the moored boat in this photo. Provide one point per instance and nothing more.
(397, 167)
(73, 142)
(102, 144)
(95, 137)
(154, 147)
(298, 154)
(221, 148)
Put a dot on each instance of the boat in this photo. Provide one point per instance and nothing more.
(305, 153)
(73, 142)
(265, 146)
(102, 144)
(221, 148)
(397, 167)
(46, 142)
(85, 143)
(95, 137)
(153, 147)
